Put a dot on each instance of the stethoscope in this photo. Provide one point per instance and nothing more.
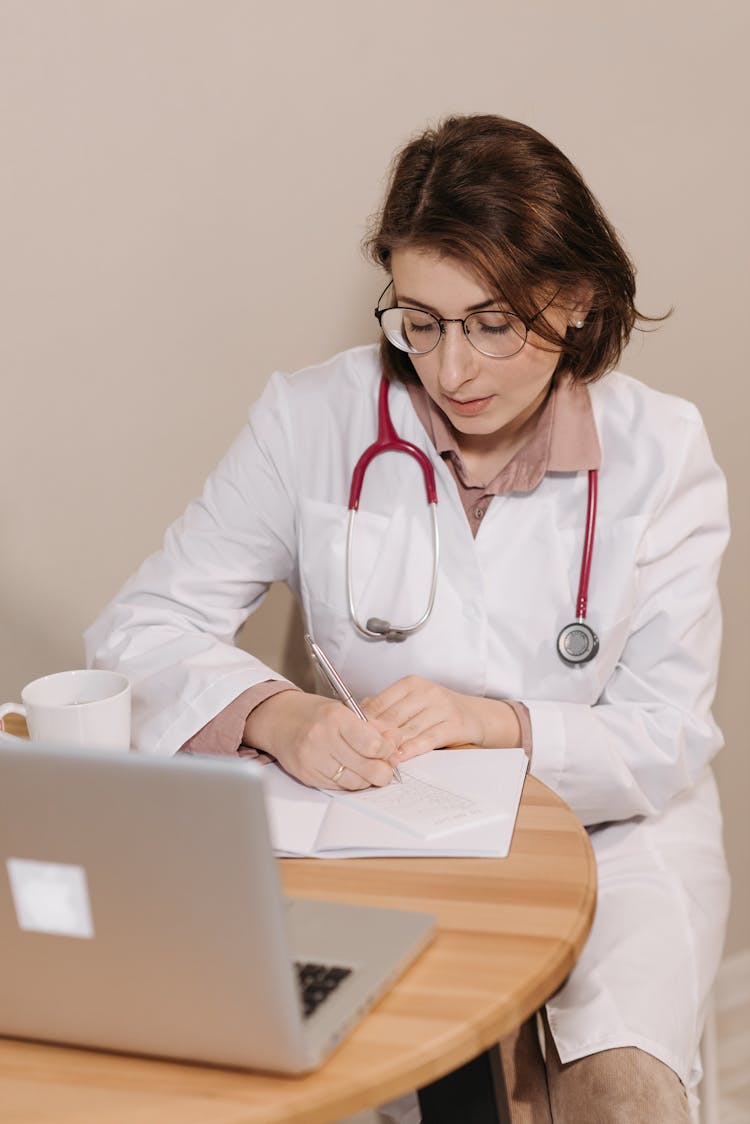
(577, 642)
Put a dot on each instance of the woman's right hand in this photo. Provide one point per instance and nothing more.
(312, 737)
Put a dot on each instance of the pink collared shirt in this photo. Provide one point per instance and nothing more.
(564, 439)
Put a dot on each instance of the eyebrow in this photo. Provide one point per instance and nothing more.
(412, 302)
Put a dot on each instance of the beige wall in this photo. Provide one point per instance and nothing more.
(183, 188)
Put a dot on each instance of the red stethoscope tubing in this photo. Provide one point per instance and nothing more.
(388, 441)
(588, 547)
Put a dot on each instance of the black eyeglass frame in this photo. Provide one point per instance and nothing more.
(441, 321)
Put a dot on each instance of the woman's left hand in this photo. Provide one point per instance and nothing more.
(421, 715)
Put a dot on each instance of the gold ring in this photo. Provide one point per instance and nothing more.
(338, 773)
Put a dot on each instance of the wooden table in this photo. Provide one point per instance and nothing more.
(509, 931)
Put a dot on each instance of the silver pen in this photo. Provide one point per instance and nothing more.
(339, 686)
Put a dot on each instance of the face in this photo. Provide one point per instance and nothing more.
(485, 399)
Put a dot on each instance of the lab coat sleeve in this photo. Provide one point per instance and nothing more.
(651, 733)
(171, 629)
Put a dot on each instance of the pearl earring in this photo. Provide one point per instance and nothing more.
(579, 323)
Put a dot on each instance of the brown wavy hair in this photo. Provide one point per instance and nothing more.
(499, 197)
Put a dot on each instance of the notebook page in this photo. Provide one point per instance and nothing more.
(422, 807)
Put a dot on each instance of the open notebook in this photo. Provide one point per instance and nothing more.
(452, 802)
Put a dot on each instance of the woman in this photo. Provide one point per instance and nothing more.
(508, 303)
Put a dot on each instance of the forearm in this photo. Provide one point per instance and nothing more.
(275, 720)
(613, 761)
(224, 734)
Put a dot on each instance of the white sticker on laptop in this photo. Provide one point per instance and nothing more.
(51, 897)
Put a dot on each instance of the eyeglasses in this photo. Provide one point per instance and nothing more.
(492, 332)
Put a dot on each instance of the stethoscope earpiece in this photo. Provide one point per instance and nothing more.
(577, 643)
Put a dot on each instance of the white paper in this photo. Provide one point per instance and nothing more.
(311, 823)
(420, 806)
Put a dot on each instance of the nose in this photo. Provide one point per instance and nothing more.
(455, 357)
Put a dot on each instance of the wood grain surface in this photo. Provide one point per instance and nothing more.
(509, 931)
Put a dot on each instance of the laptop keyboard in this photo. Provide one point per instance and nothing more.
(316, 982)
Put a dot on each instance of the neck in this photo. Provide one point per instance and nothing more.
(484, 453)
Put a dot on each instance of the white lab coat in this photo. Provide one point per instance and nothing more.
(626, 740)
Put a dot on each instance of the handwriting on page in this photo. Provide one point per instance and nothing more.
(420, 807)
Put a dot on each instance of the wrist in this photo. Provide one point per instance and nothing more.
(266, 721)
(499, 724)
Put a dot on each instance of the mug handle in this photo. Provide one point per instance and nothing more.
(10, 708)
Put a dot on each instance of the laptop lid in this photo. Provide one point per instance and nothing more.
(141, 910)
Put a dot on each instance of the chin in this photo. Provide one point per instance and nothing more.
(479, 425)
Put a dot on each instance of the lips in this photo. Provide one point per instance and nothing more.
(470, 407)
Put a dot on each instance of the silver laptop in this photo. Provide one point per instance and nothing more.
(141, 911)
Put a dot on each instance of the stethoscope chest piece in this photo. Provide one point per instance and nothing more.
(577, 643)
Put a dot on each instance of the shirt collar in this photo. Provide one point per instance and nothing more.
(564, 438)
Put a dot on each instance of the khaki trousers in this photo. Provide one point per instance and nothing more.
(623, 1086)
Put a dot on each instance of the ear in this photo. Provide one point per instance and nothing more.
(578, 304)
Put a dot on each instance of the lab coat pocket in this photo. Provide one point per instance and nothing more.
(322, 554)
(613, 581)
(613, 593)
(612, 600)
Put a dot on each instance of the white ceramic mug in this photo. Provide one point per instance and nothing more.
(89, 707)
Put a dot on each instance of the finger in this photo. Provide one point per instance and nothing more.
(407, 701)
(371, 770)
(393, 738)
(360, 775)
(377, 704)
(367, 739)
(368, 773)
(410, 712)
(344, 778)
(440, 735)
(351, 781)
